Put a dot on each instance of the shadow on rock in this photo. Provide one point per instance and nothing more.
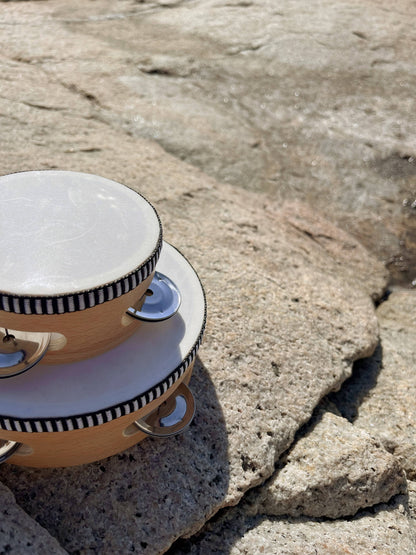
(140, 500)
(379, 528)
(354, 390)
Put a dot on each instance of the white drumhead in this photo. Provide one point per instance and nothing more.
(133, 368)
(63, 232)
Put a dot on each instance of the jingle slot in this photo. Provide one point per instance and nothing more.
(57, 342)
(171, 418)
(161, 300)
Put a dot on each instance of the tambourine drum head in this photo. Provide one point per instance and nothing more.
(94, 391)
(62, 232)
(76, 251)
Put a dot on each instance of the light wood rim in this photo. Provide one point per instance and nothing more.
(88, 333)
(76, 447)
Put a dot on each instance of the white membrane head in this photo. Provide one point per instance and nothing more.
(63, 232)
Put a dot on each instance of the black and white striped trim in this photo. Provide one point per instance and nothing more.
(89, 420)
(74, 302)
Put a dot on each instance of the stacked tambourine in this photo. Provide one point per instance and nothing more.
(100, 321)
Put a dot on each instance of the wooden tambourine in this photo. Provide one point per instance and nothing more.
(76, 252)
(76, 413)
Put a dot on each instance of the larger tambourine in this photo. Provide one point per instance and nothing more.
(77, 251)
(88, 410)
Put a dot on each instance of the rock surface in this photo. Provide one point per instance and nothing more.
(380, 396)
(83, 87)
(311, 102)
(334, 470)
(272, 350)
(384, 529)
(19, 533)
(289, 310)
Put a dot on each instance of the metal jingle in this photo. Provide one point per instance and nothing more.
(162, 300)
(7, 449)
(20, 350)
(172, 417)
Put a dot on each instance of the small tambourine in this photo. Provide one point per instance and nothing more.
(78, 255)
(76, 413)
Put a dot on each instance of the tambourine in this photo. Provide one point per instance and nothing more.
(87, 410)
(78, 255)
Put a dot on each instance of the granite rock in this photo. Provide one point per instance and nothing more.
(281, 334)
(19, 533)
(411, 488)
(380, 395)
(383, 529)
(333, 470)
(311, 102)
(289, 295)
(287, 317)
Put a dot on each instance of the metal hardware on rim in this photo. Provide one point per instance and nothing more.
(162, 300)
(7, 450)
(20, 350)
(172, 417)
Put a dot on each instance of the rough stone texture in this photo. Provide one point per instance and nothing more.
(384, 529)
(82, 87)
(19, 533)
(411, 488)
(310, 101)
(333, 470)
(348, 254)
(282, 332)
(288, 296)
(380, 396)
